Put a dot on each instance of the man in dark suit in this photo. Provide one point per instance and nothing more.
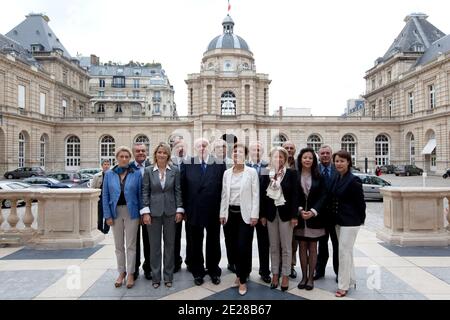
(201, 185)
(256, 151)
(140, 163)
(179, 156)
(328, 171)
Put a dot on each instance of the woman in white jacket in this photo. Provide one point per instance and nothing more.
(239, 213)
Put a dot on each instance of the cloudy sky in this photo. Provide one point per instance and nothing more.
(315, 52)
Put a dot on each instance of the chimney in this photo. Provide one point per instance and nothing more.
(280, 112)
(95, 61)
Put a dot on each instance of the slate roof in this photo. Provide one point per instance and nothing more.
(228, 40)
(417, 36)
(35, 30)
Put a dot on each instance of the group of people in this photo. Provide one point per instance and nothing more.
(295, 203)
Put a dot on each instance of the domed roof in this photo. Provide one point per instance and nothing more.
(228, 40)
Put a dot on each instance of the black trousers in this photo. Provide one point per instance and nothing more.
(262, 235)
(240, 237)
(213, 251)
(101, 224)
(146, 243)
(323, 254)
(178, 231)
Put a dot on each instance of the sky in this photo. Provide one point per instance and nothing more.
(315, 52)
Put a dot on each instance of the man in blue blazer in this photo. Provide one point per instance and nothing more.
(201, 185)
(328, 171)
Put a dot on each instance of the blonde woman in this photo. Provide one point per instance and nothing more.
(161, 192)
(121, 203)
(280, 212)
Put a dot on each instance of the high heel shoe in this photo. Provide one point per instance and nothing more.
(341, 293)
(284, 288)
(301, 285)
(118, 284)
(274, 285)
(130, 282)
(243, 289)
(275, 281)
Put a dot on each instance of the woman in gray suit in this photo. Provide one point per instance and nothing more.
(162, 209)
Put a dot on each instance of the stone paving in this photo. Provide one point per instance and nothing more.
(383, 272)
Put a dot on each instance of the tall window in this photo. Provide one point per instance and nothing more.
(373, 84)
(279, 140)
(107, 148)
(118, 82)
(22, 143)
(21, 97)
(73, 153)
(433, 160)
(389, 76)
(145, 140)
(101, 108)
(42, 99)
(374, 108)
(382, 150)
(101, 83)
(118, 108)
(411, 102)
(315, 142)
(64, 108)
(136, 83)
(389, 105)
(432, 96)
(42, 152)
(228, 104)
(348, 143)
(412, 150)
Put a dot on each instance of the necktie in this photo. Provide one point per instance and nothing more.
(203, 167)
(325, 172)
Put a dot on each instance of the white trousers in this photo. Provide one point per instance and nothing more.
(346, 237)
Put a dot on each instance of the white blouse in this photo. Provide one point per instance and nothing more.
(235, 190)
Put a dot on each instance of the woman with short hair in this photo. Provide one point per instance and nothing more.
(279, 211)
(350, 214)
(121, 203)
(239, 213)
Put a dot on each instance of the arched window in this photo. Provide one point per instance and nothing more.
(228, 104)
(107, 149)
(315, 142)
(348, 143)
(278, 140)
(412, 150)
(73, 153)
(382, 148)
(42, 151)
(145, 140)
(22, 142)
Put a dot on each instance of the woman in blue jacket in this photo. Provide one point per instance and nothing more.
(121, 203)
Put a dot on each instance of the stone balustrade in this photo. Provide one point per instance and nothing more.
(415, 216)
(53, 219)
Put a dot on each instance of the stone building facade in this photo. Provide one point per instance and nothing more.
(227, 99)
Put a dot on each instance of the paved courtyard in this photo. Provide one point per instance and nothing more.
(383, 272)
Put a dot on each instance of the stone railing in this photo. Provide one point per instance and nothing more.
(52, 219)
(415, 216)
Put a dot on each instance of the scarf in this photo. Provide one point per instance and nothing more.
(274, 190)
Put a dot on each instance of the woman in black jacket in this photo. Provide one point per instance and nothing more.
(350, 213)
(311, 227)
(279, 211)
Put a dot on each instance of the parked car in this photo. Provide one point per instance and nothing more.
(24, 172)
(408, 170)
(91, 171)
(44, 182)
(72, 178)
(389, 168)
(13, 185)
(372, 185)
(446, 174)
